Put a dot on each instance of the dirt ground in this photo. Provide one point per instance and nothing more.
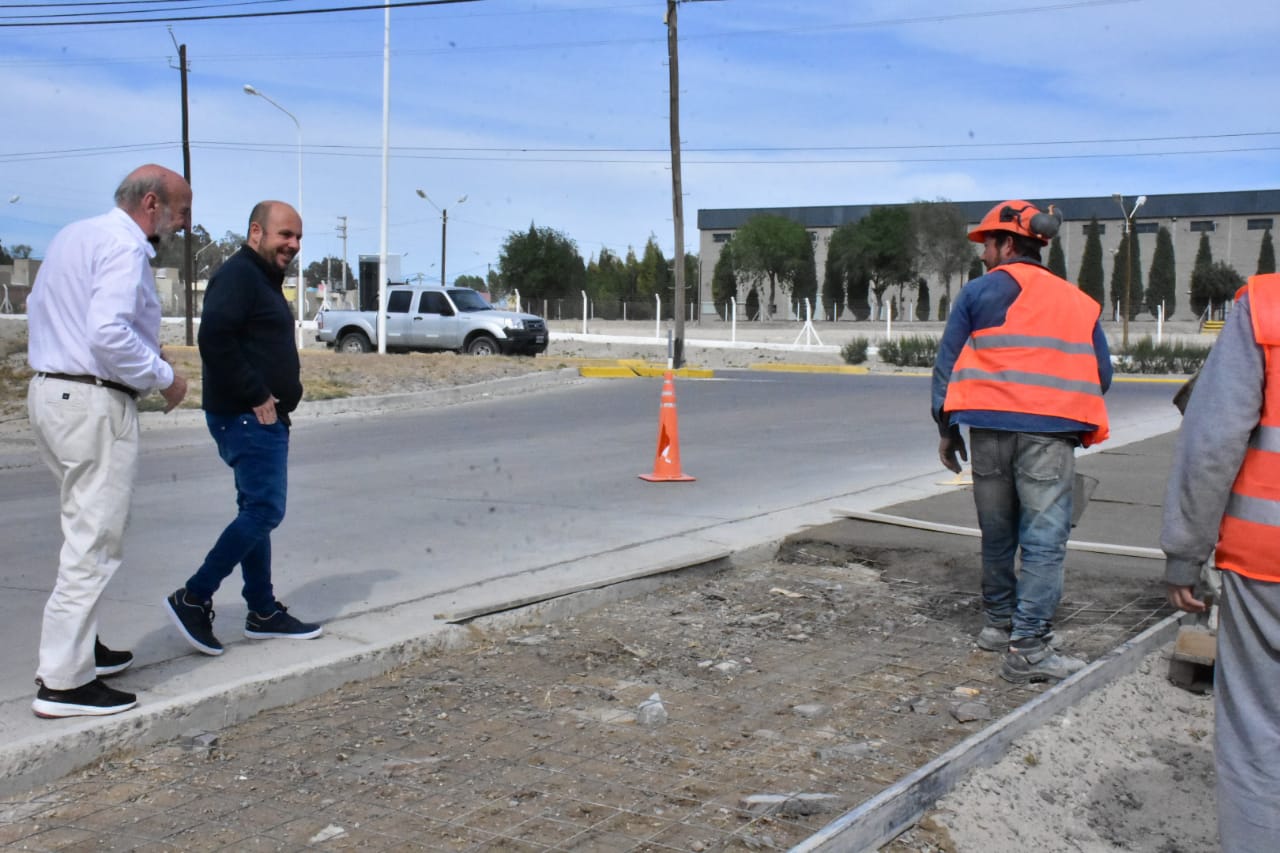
(787, 693)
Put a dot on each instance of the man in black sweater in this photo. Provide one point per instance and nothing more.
(251, 384)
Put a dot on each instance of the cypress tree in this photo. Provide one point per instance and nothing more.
(1266, 255)
(1135, 280)
(1057, 260)
(1202, 277)
(1162, 279)
(922, 301)
(1204, 255)
(1090, 280)
(1117, 276)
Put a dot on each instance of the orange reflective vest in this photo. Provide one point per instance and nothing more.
(1041, 361)
(1249, 536)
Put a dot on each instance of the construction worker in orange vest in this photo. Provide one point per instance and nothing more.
(1023, 363)
(1223, 502)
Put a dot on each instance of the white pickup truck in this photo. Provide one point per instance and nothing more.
(435, 318)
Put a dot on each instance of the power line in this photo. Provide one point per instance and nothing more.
(170, 19)
(532, 154)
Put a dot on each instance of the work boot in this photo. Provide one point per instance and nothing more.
(995, 638)
(1031, 659)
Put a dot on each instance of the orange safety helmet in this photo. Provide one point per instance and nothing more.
(1018, 217)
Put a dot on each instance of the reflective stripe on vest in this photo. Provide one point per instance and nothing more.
(1040, 361)
(1249, 536)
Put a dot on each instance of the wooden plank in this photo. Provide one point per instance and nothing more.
(1072, 544)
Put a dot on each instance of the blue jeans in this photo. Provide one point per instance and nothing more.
(259, 456)
(1022, 490)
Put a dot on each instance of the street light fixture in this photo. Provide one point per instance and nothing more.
(1128, 260)
(302, 284)
(444, 229)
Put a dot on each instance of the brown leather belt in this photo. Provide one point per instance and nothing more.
(92, 380)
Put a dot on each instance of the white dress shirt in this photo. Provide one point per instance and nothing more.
(93, 309)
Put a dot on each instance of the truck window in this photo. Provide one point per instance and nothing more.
(434, 303)
(399, 301)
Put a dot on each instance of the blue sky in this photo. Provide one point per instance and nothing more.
(555, 112)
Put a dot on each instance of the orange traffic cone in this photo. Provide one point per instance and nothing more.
(666, 465)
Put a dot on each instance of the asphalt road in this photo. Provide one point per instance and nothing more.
(398, 507)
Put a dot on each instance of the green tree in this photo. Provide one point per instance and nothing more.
(976, 269)
(1266, 255)
(805, 285)
(1202, 296)
(881, 249)
(1057, 263)
(777, 251)
(1162, 279)
(20, 251)
(326, 269)
(1134, 276)
(724, 284)
(922, 301)
(474, 282)
(1090, 279)
(542, 263)
(837, 275)
(5, 258)
(942, 245)
(653, 275)
(606, 277)
(1213, 284)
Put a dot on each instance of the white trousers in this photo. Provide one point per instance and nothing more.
(88, 436)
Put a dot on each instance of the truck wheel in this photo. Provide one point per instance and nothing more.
(483, 345)
(354, 342)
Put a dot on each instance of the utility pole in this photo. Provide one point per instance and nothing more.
(188, 260)
(342, 232)
(677, 191)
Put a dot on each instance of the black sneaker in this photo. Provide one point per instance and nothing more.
(94, 699)
(279, 625)
(194, 620)
(108, 661)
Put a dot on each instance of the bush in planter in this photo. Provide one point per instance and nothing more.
(910, 351)
(1146, 356)
(855, 352)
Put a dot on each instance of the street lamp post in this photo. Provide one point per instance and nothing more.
(1128, 260)
(302, 284)
(444, 230)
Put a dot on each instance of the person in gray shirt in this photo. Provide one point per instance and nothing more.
(1223, 504)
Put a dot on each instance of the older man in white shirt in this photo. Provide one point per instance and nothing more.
(94, 344)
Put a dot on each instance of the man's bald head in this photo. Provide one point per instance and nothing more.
(156, 198)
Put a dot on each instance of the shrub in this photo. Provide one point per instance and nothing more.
(1146, 356)
(855, 352)
(911, 351)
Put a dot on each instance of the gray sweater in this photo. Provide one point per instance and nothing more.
(1224, 409)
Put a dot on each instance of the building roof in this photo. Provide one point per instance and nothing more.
(1186, 205)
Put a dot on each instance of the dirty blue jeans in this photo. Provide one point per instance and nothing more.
(259, 456)
(1022, 489)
